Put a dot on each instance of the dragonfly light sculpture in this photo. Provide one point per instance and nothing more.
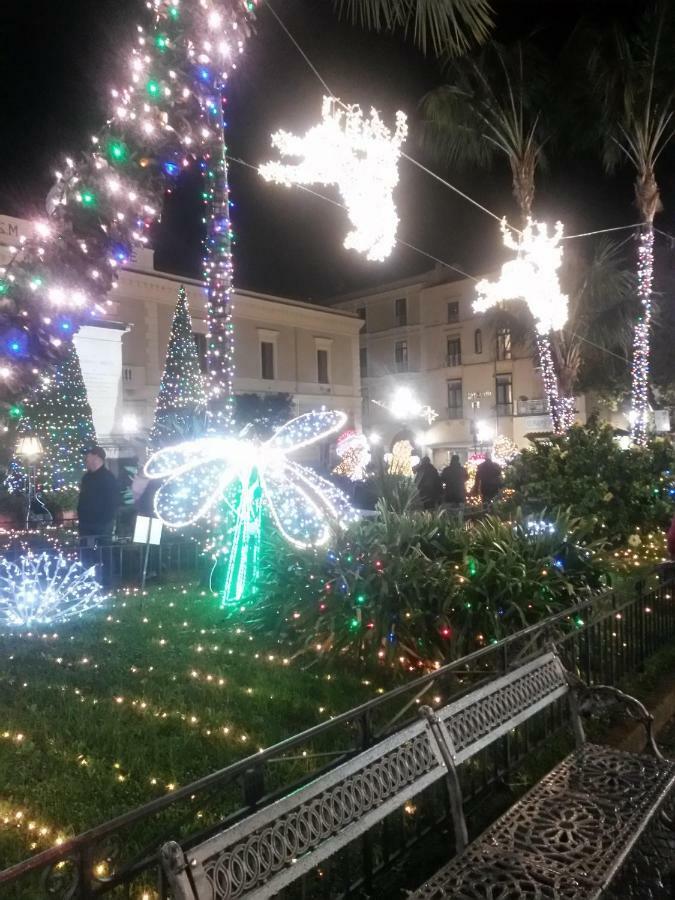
(225, 477)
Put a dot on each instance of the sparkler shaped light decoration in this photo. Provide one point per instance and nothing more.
(533, 277)
(45, 590)
(237, 475)
(360, 155)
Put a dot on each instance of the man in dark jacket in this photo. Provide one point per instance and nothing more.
(488, 479)
(99, 499)
(428, 483)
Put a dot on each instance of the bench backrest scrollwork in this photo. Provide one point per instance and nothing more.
(274, 847)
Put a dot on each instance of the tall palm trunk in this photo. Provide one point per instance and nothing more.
(649, 203)
(560, 409)
(641, 337)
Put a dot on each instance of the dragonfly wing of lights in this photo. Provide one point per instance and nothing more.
(191, 493)
(188, 455)
(307, 429)
(294, 508)
(333, 502)
(360, 155)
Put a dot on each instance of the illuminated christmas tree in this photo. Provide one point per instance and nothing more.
(181, 403)
(59, 415)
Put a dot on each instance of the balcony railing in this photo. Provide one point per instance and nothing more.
(453, 359)
(533, 407)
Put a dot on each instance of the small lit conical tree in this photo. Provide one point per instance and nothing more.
(181, 403)
(59, 414)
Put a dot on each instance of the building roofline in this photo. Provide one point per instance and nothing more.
(437, 275)
(241, 292)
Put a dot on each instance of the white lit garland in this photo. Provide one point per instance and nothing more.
(640, 368)
(405, 405)
(44, 590)
(533, 277)
(241, 474)
(361, 157)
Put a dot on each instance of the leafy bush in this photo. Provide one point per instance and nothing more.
(417, 589)
(618, 491)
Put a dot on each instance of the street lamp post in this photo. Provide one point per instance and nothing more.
(474, 398)
(29, 448)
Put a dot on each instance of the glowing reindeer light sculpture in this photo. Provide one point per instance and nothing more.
(360, 155)
(533, 277)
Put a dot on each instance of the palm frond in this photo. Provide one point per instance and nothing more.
(492, 104)
(448, 26)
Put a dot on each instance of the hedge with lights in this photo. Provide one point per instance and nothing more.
(417, 589)
(620, 491)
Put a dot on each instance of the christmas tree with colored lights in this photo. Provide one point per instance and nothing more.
(181, 403)
(59, 415)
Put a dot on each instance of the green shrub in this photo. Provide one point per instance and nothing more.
(418, 589)
(618, 491)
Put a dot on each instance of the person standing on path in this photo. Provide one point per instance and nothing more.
(428, 483)
(454, 478)
(98, 502)
(488, 479)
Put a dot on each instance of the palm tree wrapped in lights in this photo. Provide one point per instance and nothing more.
(533, 277)
(629, 76)
(232, 478)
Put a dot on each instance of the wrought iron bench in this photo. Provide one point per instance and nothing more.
(569, 837)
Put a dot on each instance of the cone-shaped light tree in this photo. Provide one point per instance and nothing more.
(181, 403)
(59, 414)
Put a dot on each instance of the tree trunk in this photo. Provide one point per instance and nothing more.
(641, 337)
(561, 411)
(218, 277)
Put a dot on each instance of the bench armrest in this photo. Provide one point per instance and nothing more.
(593, 698)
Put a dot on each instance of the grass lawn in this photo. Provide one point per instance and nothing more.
(148, 693)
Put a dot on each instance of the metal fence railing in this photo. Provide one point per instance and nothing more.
(117, 561)
(603, 639)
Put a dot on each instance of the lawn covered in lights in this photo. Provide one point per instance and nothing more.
(150, 692)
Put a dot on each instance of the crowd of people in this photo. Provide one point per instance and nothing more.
(448, 488)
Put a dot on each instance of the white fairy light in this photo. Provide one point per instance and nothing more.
(532, 276)
(360, 155)
(405, 405)
(44, 590)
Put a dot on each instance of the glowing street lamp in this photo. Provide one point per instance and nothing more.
(30, 449)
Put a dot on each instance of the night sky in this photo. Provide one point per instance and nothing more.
(57, 62)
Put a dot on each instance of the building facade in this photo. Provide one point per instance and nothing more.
(281, 346)
(422, 334)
